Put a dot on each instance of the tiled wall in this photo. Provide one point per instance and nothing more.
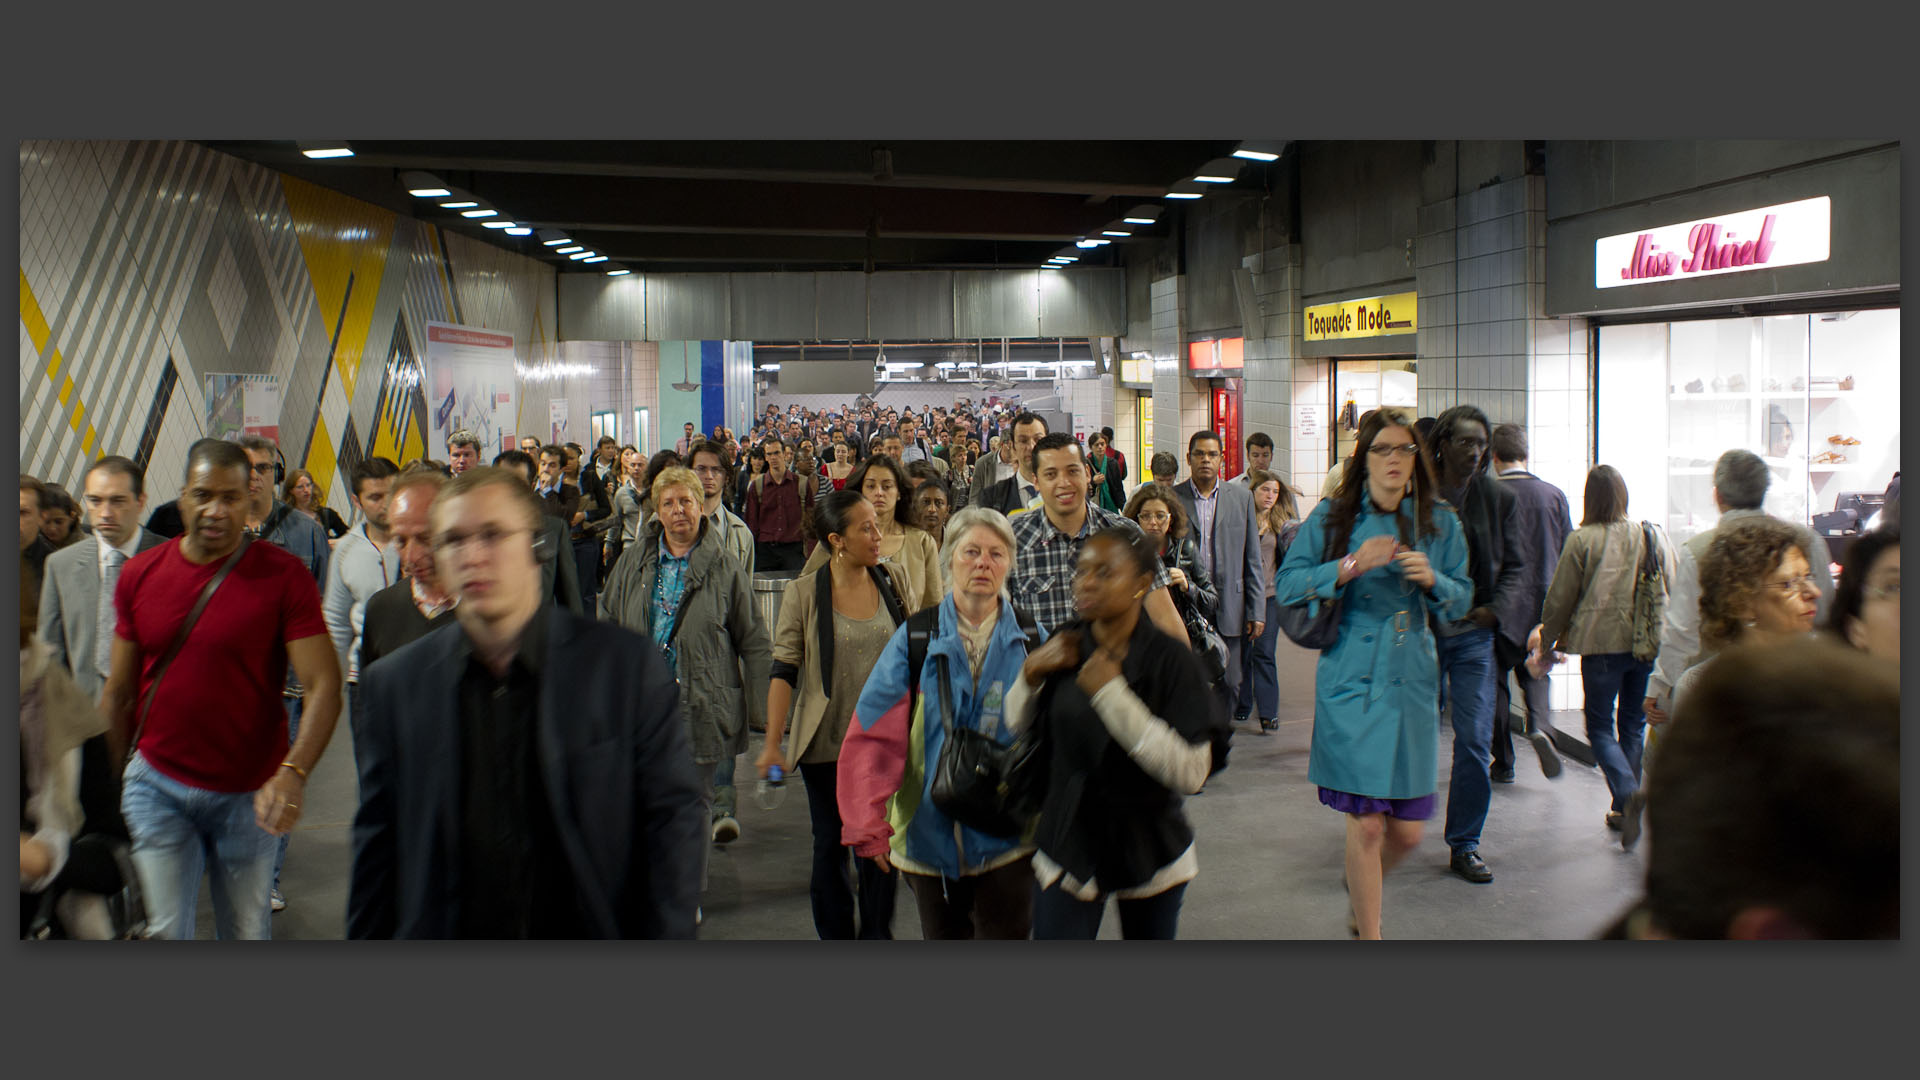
(145, 266)
(1271, 349)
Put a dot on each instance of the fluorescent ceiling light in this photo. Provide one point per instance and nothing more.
(1138, 221)
(1214, 179)
(596, 259)
(946, 365)
(554, 237)
(1097, 242)
(569, 250)
(476, 213)
(581, 255)
(1218, 171)
(1260, 149)
(1255, 155)
(1115, 232)
(325, 148)
(457, 205)
(496, 225)
(1051, 266)
(1186, 189)
(519, 230)
(1183, 194)
(622, 272)
(768, 367)
(1086, 243)
(1144, 214)
(430, 192)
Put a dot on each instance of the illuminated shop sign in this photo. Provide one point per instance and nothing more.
(1373, 316)
(1216, 357)
(1784, 235)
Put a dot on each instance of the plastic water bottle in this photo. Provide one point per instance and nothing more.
(773, 789)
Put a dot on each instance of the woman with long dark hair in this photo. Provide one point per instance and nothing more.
(833, 625)
(903, 543)
(1163, 518)
(1380, 546)
(1129, 728)
(1589, 613)
(1866, 602)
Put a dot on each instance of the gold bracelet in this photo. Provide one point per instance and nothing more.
(295, 768)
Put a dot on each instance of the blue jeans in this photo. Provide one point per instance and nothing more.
(1260, 681)
(1059, 917)
(1604, 677)
(178, 832)
(294, 707)
(1466, 672)
(725, 798)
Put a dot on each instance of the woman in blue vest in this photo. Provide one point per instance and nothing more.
(1392, 557)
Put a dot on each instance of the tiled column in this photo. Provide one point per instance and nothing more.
(1270, 350)
(1171, 387)
(1493, 303)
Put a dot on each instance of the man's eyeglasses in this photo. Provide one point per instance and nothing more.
(1383, 450)
(709, 470)
(487, 537)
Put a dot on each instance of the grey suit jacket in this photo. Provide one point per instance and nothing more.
(1238, 572)
(69, 604)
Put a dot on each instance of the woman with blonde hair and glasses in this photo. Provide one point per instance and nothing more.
(1383, 547)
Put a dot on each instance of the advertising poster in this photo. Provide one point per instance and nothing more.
(557, 412)
(470, 384)
(243, 405)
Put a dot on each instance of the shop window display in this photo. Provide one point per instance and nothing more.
(1816, 396)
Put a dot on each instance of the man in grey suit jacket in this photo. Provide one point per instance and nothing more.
(76, 594)
(1221, 517)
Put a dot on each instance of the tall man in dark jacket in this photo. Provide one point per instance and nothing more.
(1018, 492)
(1221, 518)
(560, 578)
(1545, 522)
(515, 784)
(1489, 516)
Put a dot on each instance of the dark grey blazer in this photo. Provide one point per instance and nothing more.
(69, 605)
(1238, 572)
(614, 759)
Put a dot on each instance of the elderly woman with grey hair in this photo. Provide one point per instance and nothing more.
(967, 884)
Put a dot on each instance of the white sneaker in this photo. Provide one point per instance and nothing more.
(726, 830)
(278, 902)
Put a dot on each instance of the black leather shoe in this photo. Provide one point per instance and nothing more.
(1469, 865)
(1501, 775)
(1549, 757)
(1267, 725)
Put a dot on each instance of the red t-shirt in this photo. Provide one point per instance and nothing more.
(217, 723)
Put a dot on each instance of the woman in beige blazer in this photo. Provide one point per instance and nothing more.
(834, 622)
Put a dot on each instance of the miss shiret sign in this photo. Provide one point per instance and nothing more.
(1784, 235)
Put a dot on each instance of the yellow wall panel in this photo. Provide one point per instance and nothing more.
(341, 237)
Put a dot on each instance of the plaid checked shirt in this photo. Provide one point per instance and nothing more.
(1044, 559)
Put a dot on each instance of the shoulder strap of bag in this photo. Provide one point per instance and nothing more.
(896, 607)
(180, 638)
(946, 699)
(920, 629)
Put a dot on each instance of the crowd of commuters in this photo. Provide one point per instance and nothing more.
(948, 580)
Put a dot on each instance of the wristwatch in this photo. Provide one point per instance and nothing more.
(1347, 564)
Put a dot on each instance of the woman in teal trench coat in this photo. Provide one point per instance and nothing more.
(1398, 556)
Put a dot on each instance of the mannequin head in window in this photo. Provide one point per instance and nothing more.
(1779, 432)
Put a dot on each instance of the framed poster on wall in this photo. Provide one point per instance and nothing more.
(470, 384)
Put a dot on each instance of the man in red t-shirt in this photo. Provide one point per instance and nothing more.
(211, 775)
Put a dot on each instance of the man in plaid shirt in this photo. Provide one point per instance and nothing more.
(1047, 544)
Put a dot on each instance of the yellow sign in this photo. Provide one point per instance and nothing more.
(1143, 444)
(1374, 316)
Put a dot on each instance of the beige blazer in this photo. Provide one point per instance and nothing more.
(796, 641)
(918, 556)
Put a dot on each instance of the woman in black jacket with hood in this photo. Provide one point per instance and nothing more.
(1129, 728)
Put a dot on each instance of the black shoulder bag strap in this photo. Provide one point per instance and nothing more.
(921, 626)
(180, 639)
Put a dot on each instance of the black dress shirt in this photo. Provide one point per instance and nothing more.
(514, 878)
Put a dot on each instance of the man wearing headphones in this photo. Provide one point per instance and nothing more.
(275, 522)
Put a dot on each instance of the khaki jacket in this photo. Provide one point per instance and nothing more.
(1589, 605)
(796, 637)
(918, 557)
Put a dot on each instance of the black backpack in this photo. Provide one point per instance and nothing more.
(920, 629)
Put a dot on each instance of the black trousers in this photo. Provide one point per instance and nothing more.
(994, 906)
(831, 888)
(1538, 705)
(791, 556)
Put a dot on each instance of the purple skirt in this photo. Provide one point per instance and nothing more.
(1419, 809)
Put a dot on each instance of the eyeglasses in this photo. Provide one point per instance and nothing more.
(709, 470)
(1155, 515)
(487, 537)
(1383, 450)
(1803, 583)
(1889, 590)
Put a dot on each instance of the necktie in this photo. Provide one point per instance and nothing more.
(103, 614)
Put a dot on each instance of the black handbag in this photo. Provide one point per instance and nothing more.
(981, 784)
(1310, 627)
(1207, 643)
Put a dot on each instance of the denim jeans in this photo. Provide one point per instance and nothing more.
(725, 799)
(1059, 917)
(831, 888)
(180, 831)
(294, 707)
(1466, 671)
(1617, 743)
(1536, 697)
(1260, 680)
